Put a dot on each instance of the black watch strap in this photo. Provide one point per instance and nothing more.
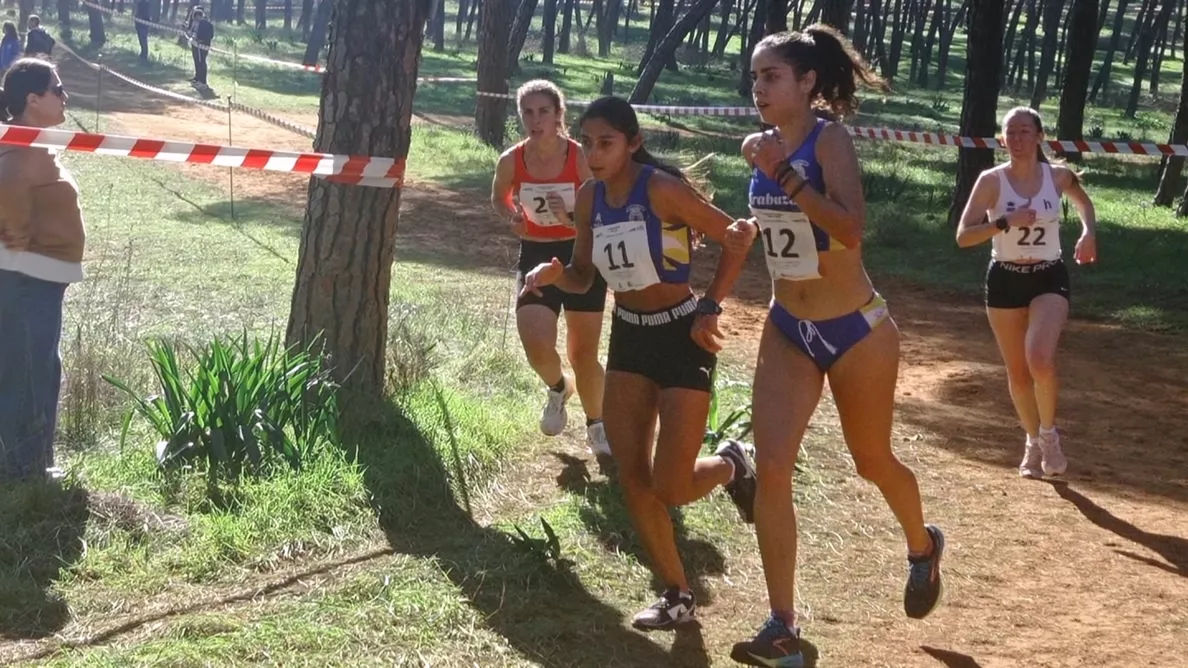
(707, 306)
(1001, 223)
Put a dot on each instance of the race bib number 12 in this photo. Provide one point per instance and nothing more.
(788, 244)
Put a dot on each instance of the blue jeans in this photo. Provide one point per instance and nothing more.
(30, 373)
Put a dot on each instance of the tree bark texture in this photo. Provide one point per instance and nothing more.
(348, 240)
(980, 102)
(1169, 180)
(490, 113)
(1082, 42)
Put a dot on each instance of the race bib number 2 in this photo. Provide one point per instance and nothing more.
(788, 244)
(534, 199)
(623, 256)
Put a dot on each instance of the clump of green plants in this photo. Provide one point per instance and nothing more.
(239, 407)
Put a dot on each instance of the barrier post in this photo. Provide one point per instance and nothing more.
(230, 170)
(99, 93)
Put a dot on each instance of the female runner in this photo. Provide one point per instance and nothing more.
(633, 224)
(826, 319)
(1016, 206)
(533, 190)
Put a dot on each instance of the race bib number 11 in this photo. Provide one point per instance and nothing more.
(623, 257)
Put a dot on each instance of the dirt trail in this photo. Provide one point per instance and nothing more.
(1091, 572)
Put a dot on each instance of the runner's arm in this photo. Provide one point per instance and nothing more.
(675, 201)
(580, 272)
(1070, 184)
(841, 212)
(975, 226)
(501, 187)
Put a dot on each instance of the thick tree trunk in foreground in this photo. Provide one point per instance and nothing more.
(979, 117)
(348, 241)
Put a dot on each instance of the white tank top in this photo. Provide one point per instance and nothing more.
(1038, 242)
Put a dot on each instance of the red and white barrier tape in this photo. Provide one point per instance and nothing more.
(315, 69)
(911, 137)
(357, 170)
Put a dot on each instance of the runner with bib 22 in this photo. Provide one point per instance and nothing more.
(1017, 207)
(826, 320)
(634, 222)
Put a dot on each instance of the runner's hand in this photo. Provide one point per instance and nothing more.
(1021, 217)
(705, 331)
(740, 235)
(1086, 252)
(516, 221)
(557, 206)
(770, 153)
(544, 274)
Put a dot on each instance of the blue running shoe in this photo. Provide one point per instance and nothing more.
(924, 586)
(776, 646)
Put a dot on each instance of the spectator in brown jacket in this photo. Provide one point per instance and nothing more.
(41, 250)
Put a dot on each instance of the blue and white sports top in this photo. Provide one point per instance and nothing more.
(790, 240)
(633, 248)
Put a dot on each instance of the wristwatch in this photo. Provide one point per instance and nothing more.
(1001, 223)
(707, 306)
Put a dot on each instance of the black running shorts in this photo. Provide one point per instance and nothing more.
(1010, 285)
(657, 345)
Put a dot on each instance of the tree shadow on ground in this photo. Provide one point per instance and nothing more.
(1174, 549)
(41, 533)
(950, 658)
(605, 515)
(540, 607)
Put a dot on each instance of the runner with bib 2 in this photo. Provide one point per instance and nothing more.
(633, 225)
(826, 320)
(1017, 207)
(534, 189)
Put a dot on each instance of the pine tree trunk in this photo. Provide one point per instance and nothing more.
(1103, 73)
(1169, 180)
(288, 15)
(317, 33)
(837, 14)
(490, 113)
(566, 27)
(519, 34)
(437, 25)
(754, 34)
(979, 106)
(1051, 22)
(1145, 57)
(1082, 43)
(306, 20)
(348, 240)
(666, 47)
(549, 30)
(776, 19)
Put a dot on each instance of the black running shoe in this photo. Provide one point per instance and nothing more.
(924, 586)
(776, 646)
(673, 609)
(742, 488)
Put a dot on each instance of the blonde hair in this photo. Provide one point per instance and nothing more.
(549, 90)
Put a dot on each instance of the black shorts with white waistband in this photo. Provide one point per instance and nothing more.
(1011, 285)
(533, 253)
(657, 345)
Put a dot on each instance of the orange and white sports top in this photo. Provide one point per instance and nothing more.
(531, 192)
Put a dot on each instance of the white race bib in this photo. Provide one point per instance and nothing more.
(623, 256)
(788, 244)
(534, 199)
(1038, 242)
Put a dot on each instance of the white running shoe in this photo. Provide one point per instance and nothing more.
(1031, 467)
(596, 439)
(1054, 461)
(554, 416)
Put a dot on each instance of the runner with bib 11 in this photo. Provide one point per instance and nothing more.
(1017, 207)
(634, 222)
(534, 189)
(826, 320)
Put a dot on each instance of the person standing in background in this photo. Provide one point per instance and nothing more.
(142, 14)
(201, 35)
(42, 238)
(10, 46)
(37, 40)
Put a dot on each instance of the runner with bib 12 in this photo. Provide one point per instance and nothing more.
(634, 223)
(534, 189)
(1017, 207)
(826, 320)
